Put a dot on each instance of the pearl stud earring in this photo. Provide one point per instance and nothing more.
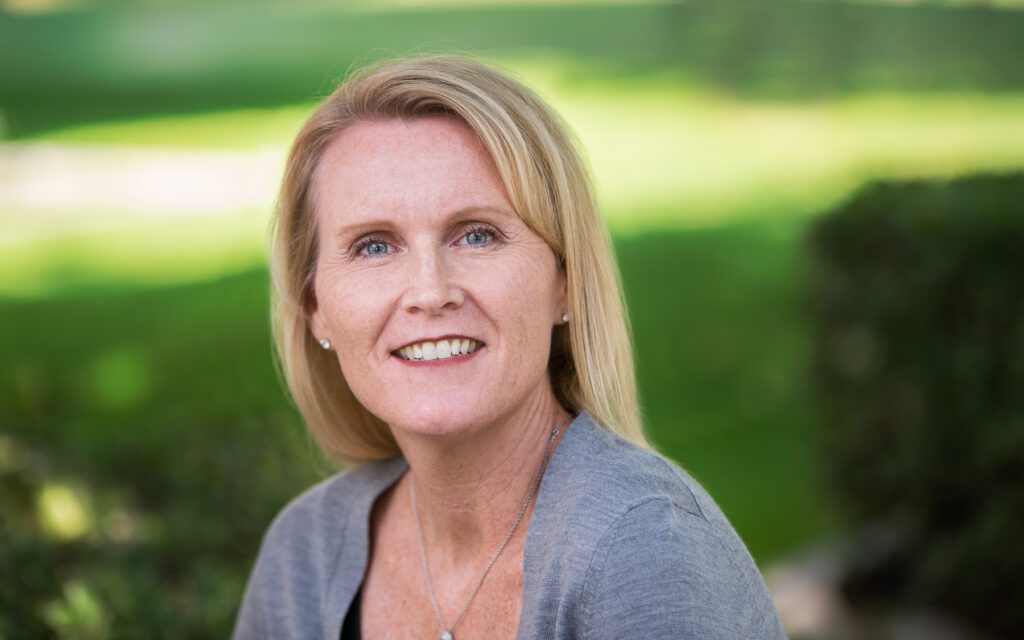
(565, 316)
(325, 343)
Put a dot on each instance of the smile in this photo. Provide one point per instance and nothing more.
(440, 350)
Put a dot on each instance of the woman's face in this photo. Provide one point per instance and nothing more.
(436, 296)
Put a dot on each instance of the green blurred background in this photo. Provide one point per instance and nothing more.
(145, 442)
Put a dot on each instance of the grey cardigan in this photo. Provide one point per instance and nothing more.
(622, 544)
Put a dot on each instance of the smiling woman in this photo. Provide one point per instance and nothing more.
(448, 314)
(419, 247)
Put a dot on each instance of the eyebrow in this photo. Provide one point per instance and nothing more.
(383, 224)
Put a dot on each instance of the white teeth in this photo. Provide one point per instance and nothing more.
(440, 350)
(429, 350)
(444, 350)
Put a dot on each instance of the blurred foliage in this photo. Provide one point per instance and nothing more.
(113, 62)
(144, 445)
(918, 302)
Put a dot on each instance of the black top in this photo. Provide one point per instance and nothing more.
(350, 626)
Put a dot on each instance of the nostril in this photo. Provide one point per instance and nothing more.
(432, 290)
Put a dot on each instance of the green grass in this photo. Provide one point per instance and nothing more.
(116, 62)
(681, 160)
(692, 115)
(722, 353)
(249, 128)
(161, 253)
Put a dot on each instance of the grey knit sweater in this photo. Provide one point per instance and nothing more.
(622, 544)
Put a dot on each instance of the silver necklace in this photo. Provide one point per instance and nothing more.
(446, 631)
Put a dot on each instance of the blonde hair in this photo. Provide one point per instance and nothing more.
(591, 362)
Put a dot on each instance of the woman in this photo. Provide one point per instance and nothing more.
(448, 313)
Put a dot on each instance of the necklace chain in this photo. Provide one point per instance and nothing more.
(446, 633)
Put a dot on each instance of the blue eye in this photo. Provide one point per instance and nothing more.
(372, 247)
(477, 237)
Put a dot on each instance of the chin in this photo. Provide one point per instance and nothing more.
(438, 421)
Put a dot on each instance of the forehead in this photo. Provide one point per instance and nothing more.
(396, 165)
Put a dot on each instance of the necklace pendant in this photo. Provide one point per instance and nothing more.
(446, 635)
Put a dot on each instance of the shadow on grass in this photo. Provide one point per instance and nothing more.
(721, 348)
(107, 64)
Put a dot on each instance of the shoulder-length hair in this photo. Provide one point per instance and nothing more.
(591, 361)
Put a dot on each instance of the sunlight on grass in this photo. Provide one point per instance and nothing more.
(62, 512)
(663, 157)
(241, 129)
(696, 159)
(168, 253)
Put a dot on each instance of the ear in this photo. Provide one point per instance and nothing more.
(317, 327)
(561, 294)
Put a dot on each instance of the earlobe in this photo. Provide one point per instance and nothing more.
(562, 308)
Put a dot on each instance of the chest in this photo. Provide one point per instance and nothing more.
(396, 601)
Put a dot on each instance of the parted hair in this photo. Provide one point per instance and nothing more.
(591, 362)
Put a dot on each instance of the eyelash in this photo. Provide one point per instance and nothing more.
(364, 243)
(485, 229)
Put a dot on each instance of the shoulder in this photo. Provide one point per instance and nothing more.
(317, 535)
(319, 512)
(690, 577)
(649, 547)
(604, 477)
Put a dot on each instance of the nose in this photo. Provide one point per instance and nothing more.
(431, 285)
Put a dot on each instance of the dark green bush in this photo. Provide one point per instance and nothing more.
(156, 413)
(917, 298)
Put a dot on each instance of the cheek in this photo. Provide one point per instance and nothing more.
(352, 307)
(526, 297)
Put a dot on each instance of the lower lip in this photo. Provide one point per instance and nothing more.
(440, 363)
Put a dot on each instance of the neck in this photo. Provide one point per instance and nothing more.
(470, 487)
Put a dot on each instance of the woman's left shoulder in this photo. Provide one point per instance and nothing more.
(675, 574)
(616, 476)
(660, 555)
